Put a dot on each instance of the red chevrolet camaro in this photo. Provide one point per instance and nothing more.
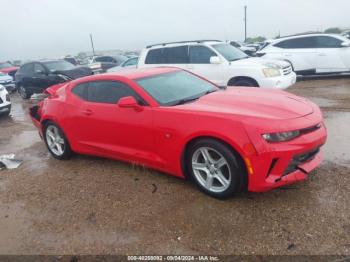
(168, 119)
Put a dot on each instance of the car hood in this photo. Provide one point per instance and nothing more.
(252, 102)
(5, 78)
(260, 62)
(9, 69)
(76, 72)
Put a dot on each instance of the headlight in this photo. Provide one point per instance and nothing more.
(2, 88)
(271, 72)
(281, 137)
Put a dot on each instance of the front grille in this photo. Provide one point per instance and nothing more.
(287, 70)
(300, 159)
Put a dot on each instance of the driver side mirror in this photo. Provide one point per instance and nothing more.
(215, 60)
(345, 44)
(129, 102)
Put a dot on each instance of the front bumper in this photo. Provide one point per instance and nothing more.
(10, 87)
(5, 108)
(281, 82)
(287, 162)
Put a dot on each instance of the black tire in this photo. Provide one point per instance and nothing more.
(244, 82)
(238, 174)
(66, 149)
(23, 92)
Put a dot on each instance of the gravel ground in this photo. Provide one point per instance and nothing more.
(96, 206)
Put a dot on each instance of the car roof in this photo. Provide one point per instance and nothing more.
(180, 43)
(303, 35)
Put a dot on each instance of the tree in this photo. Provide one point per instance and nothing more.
(333, 30)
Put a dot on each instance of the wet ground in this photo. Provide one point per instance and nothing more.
(96, 206)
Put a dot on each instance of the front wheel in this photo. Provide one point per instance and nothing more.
(245, 82)
(23, 92)
(56, 142)
(215, 168)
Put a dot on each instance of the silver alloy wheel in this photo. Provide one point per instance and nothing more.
(54, 140)
(211, 169)
(22, 91)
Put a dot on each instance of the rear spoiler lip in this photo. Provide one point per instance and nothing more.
(53, 89)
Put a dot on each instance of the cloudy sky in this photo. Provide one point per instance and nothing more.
(51, 28)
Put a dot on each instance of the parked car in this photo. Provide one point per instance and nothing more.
(129, 63)
(249, 50)
(346, 34)
(100, 64)
(311, 53)
(219, 62)
(34, 77)
(71, 60)
(8, 68)
(7, 81)
(176, 122)
(5, 102)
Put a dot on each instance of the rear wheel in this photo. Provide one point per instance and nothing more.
(23, 92)
(57, 142)
(215, 169)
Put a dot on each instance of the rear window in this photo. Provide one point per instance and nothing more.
(169, 55)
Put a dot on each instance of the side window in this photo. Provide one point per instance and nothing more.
(81, 91)
(200, 55)
(154, 56)
(39, 69)
(27, 69)
(328, 42)
(298, 43)
(109, 92)
(168, 55)
(176, 55)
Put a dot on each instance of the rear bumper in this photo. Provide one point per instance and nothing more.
(288, 162)
(35, 117)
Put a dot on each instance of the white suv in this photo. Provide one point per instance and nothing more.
(311, 53)
(220, 63)
(5, 103)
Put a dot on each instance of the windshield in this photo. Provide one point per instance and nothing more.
(4, 65)
(229, 52)
(59, 65)
(176, 87)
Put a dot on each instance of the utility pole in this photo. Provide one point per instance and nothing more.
(92, 45)
(245, 23)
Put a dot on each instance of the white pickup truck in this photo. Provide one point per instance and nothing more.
(219, 62)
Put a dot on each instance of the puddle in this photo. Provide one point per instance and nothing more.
(19, 142)
(337, 148)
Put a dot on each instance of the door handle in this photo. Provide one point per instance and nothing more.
(322, 54)
(87, 112)
(190, 67)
